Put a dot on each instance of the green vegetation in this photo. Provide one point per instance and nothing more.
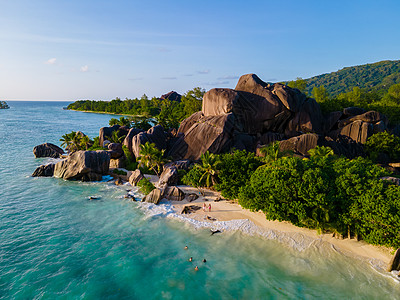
(371, 87)
(3, 105)
(383, 145)
(119, 172)
(75, 141)
(325, 192)
(151, 157)
(167, 113)
(328, 193)
(130, 162)
(235, 170)
(145, 186)
(377, 76)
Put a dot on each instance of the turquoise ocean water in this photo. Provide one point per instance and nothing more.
(56, 244)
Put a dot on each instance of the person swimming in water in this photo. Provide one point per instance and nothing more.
(191, 259)
(204, 260)
(196, 268)
(186, 247)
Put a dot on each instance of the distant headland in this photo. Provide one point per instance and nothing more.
(4, 105)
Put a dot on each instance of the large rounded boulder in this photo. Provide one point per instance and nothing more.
(155, 135)
(83, 165)
(48, 150)
(212, 133)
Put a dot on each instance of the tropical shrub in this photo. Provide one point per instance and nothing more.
(145, 186)
(234, 171)
(383, 143)
(130, 163)
(328, 192)
(151, 157)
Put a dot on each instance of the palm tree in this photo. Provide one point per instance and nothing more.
(321, 152)
(209, 167)
(151, 157)
(66, 139)
(115, 138)
(84, 142)
(272, 152)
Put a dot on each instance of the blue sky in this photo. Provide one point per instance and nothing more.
(70, 50)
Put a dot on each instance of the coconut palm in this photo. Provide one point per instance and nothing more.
(209, 167)
(115, 138)
(272, 152)
(151, 157)
(84, 142)
(321, 152)
(66, 139)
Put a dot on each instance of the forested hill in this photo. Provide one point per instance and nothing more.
(377, 76)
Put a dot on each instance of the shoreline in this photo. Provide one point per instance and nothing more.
(225, 211)
(104, 113)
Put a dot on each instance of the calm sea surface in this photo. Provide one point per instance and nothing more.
(56, 244)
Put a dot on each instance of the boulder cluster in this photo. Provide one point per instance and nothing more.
(255, 114)
(252, 115)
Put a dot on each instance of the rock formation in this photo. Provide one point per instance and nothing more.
(83, 165)
(174, 193)
(135, 177)
(154, 196)
(155, 135)
(169, 176)
(44, 171)
(257, 113)
(105, 133)
(171, 96)
(48, 150)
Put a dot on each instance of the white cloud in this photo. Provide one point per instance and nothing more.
(85, 68)
(203, 72)
(51, 61)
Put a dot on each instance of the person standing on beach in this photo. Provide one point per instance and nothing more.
(209, 207)
(204, 206)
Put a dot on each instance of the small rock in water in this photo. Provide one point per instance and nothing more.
(214, 231)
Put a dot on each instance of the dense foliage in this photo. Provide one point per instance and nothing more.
(151, 157)
(324, 192)
(385, 101)
(383, 146)
(377, 76)
(167, 113)
(75, 141)
(328, 193)
(145, 186)
(235, 170)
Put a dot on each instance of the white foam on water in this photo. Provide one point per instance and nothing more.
(293, 240)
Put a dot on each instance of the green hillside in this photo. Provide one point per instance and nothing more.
(377, 76)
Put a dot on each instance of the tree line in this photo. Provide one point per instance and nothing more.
(387, 103)
(167, 113)
(326, 192)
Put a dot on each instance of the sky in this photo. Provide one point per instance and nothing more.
(100, 50)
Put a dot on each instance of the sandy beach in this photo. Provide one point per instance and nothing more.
(225, 210)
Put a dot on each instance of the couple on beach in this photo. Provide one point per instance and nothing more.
(205, 207)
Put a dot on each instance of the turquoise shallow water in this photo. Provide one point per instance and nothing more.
(55, 243)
